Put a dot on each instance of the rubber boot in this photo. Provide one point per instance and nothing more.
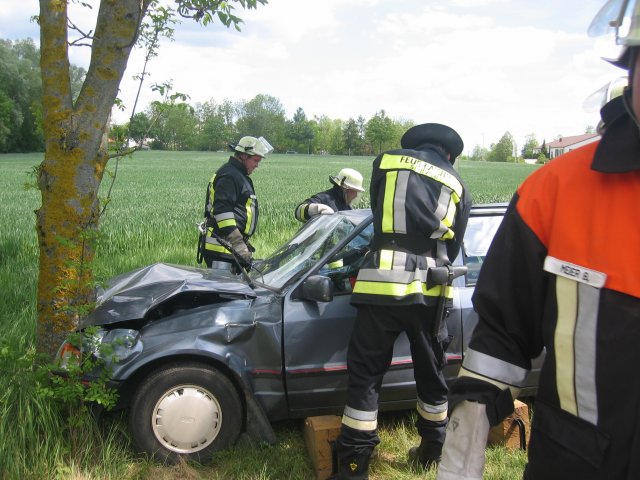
(426, 455)
(354, 467)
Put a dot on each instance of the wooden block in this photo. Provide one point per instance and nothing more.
(318, 433)
(507, 433)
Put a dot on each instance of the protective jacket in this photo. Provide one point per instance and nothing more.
(420, 212)
(562, 275)
(333, 198)
(231, 203)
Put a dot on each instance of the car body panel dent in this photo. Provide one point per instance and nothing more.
(133, 295)
(245, 330)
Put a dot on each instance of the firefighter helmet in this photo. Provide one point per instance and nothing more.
(623, 18)
(348, 178)
(253, 146)
(433, 134)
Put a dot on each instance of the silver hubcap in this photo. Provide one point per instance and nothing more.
(186, 419)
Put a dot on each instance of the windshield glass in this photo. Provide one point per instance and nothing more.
(477, 239)
(314, 240)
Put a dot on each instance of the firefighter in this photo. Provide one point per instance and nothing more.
(347, 187)
(420, 210)
(562, 275)
(231, 206)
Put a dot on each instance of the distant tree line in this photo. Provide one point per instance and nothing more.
(174, 124)
(170, 125)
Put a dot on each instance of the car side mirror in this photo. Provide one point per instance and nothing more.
(317, 288)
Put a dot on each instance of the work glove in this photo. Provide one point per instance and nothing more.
(319, 209)
(239, 246)
(464, 445)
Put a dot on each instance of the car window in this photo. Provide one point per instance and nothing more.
(477, 239)
(342, 268)
(314, 240)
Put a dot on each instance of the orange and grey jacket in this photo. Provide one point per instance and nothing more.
(563, 274)
(231, 203)
(420, 212)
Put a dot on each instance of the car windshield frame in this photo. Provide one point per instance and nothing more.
(311, 243)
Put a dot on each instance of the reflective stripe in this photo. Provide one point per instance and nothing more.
(399, 260)
(393, 276)
(493, 368)
(586, 394)
(221, 217)
(386, 260)
(567, 297)
(250, 226)
(226, 219)
(403, 162)
(399, 202)
(399, 289)
(433, 413)
(515, 391)
(446, 212)
(360, 419)
(216, 248)
(575, 348)
(210, 194)
(395, 260)
(388, 202)
(443, 204)
(213, 245)
(441, 212)
(449, 219)
(301, 212)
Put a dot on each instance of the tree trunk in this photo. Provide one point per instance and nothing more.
(75, 158)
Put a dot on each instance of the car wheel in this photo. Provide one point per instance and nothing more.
(187, 410)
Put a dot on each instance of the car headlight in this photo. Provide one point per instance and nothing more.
(110, 346)
(125, 342)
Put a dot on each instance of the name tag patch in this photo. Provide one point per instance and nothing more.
(575, 272)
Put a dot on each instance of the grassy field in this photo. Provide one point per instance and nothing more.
(155, 204)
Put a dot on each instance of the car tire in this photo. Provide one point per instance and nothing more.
(186, 410)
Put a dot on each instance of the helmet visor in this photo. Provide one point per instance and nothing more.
(263, 147)
(604, 94)
(621, 17)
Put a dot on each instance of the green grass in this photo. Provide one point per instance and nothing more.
(155, 204)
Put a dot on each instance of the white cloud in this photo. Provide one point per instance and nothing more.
(484, 66)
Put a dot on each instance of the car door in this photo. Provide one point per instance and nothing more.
(316, 337)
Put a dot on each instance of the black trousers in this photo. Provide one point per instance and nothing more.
(369, 357)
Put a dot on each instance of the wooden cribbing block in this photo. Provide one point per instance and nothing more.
(508, 433)
(318, 433)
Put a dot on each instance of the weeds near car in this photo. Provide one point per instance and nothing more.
(155, 205)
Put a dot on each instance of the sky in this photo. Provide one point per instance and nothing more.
(483, 67)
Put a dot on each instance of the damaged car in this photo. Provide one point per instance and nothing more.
(203, 355)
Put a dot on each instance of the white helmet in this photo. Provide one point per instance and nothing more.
(348, 178)
(253, 146)
(605, 94)
(623, 17)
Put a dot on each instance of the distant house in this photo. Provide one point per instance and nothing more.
(565, 144)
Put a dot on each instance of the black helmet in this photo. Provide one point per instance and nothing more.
(433, 134)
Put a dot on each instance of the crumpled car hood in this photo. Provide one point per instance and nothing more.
(131, 295)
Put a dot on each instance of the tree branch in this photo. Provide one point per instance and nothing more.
(83, 35)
